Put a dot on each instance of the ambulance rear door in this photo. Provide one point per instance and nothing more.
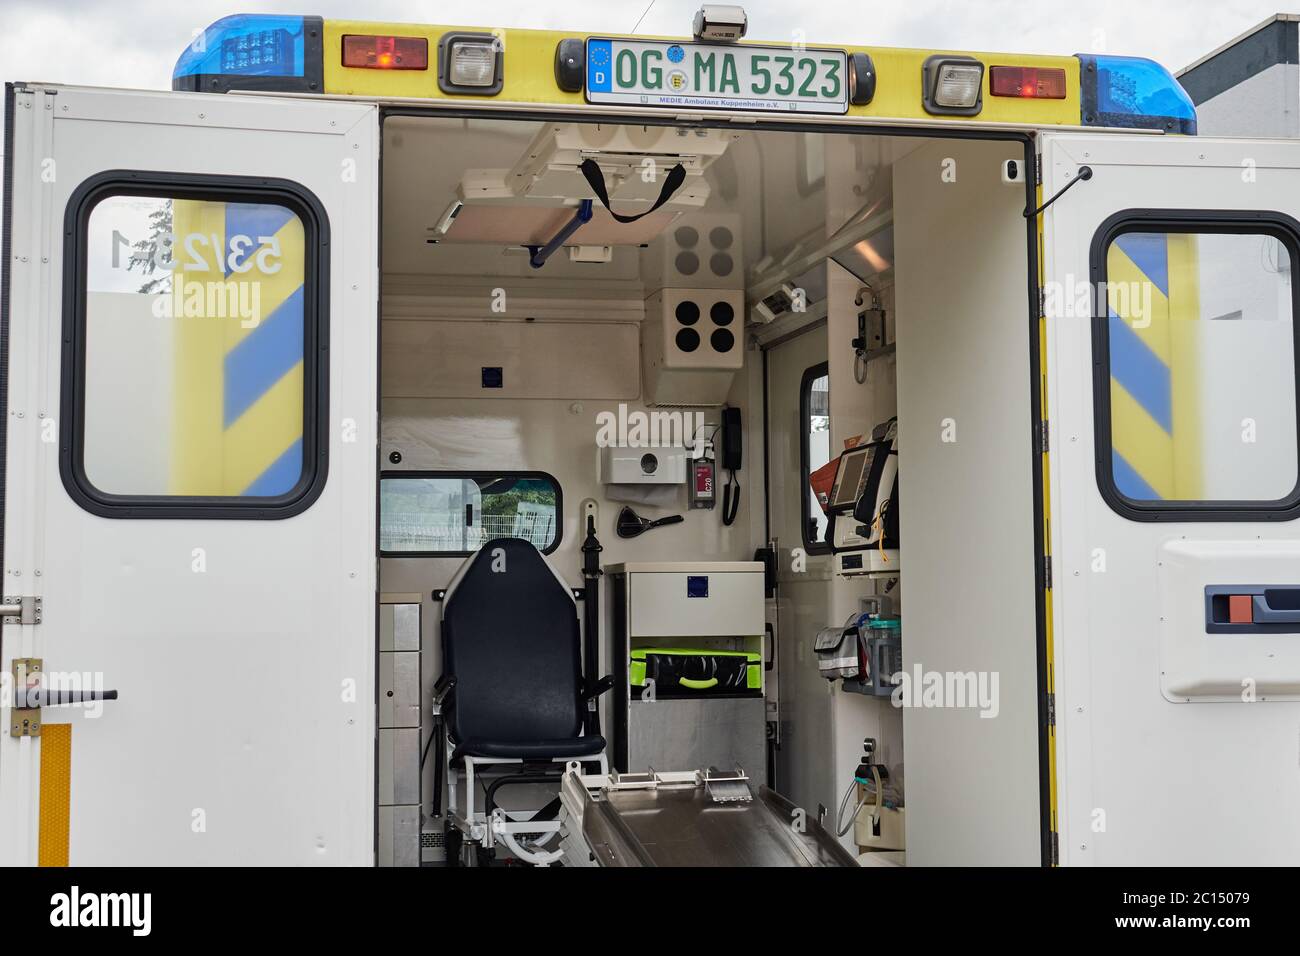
(189, 464)
(1171, 315)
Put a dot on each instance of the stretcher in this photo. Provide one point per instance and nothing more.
(687, 818)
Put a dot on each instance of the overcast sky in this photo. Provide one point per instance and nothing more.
(134, 43)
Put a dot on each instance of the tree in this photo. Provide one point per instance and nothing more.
(147, 253)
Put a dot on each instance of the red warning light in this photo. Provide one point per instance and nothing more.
(385, 52)
(1027, 82)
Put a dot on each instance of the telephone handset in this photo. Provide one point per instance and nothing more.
(730, 462)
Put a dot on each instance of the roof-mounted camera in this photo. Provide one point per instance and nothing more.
(720, 22)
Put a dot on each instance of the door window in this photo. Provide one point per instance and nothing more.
(815, 435)
(1197, 367)
(192, 351)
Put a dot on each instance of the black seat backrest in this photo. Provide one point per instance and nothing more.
(510, 638)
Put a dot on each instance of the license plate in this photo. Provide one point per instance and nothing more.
(717, 76)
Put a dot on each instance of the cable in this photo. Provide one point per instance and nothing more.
(841, 827)
(860, 367)
(439, 766)
(730, 505)
(642, 17)
(878, 528)
(860, 343)
(716, 428)
(1084, 174)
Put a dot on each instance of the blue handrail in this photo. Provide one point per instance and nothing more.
(539, 254)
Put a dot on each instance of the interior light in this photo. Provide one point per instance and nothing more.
(385, 52)
(869, 252)
(472, 63)
(1030, 82)
(448, 217)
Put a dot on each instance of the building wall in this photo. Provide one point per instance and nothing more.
(1251, 86)
(1266, 104)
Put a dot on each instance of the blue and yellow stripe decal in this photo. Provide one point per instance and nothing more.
(238, 386)
(1153, 308)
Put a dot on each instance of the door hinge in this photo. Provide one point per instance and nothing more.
(1047, 571)
(25, 721)
(21, 610)
(1051, 710)
(1038, 169)
(1043, 443)
(1056, 848)
(1042, 302)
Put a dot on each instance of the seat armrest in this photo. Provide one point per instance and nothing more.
(595, 690)
(442, 691)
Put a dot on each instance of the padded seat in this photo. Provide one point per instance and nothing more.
(511, 641)
(512, 699)
(531, 749)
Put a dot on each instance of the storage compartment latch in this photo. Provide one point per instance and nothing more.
(26, 721)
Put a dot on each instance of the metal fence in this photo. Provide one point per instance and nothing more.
(407, 533)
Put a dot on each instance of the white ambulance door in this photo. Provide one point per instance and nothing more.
(1175, 497)
(190, 477)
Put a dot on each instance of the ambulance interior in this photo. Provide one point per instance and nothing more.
(795, 295)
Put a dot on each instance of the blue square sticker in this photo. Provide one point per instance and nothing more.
(600, 66)
(697, 586)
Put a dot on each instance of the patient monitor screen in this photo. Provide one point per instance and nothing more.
(851, 477)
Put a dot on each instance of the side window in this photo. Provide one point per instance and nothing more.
(1196, 366)
(815, 452)
(194, 318)
(454, 513)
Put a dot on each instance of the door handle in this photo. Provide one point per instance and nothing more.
(29, 698)
(1265, 613)
(1252, 609)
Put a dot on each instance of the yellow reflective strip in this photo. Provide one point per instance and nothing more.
(273, 289)
(1185, 367)
(1049, 633)
(1141, 441)
(56, 794)
(263, 433)
(1139, 301)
